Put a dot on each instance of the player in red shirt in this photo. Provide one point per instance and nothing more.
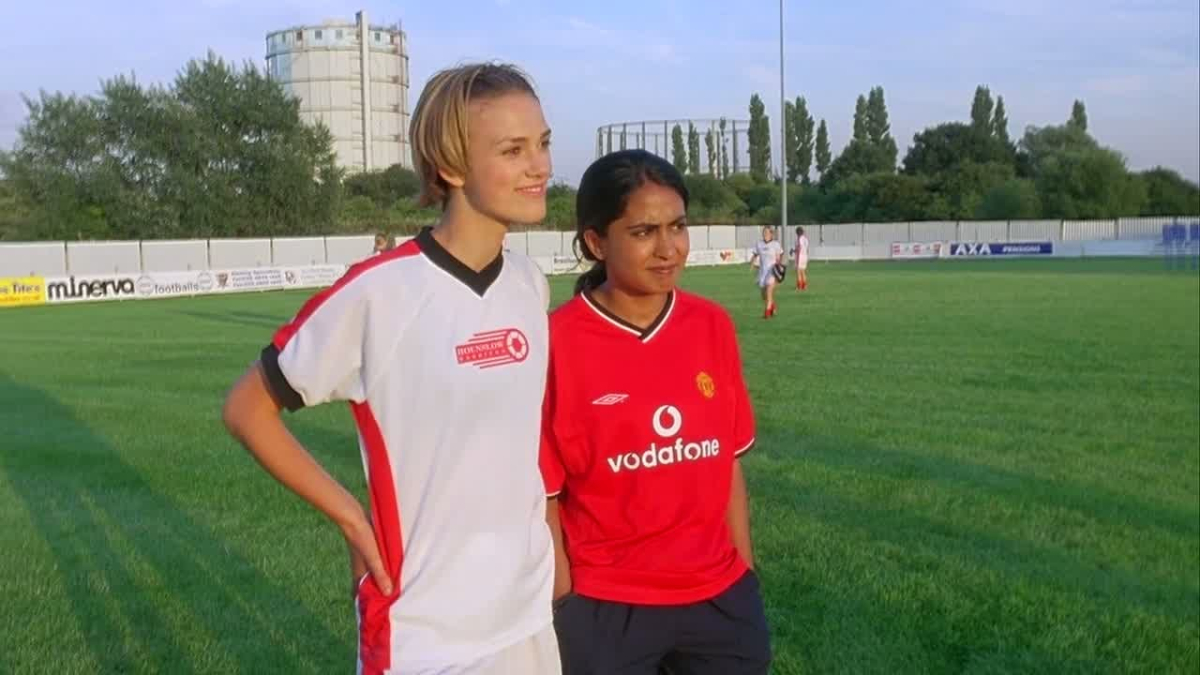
(645, 417)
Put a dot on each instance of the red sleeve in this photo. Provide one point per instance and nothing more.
(550, 458)
(743, 411)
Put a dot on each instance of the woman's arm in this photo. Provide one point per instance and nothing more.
(251, 415)
(562, 566)
(738, 515)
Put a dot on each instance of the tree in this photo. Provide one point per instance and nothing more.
(711, 200)
(860, 119)
(879, 130)
(791, 136)
(872, 149)
(858, 158)
(824, 157)
(1000, 123)
(964, 189)
(755, 195)
(383, 187)
(1167, 194)
(220, 152)
(943, 147)
(560, 207)
(981, 111)
(679, 155)
(693, 149)
(723, 148)
(759, 137)
(1079, 118)
(1041, 143)
(804, 140)
(710, 141)
(1088, 183)
(880, 197)
(14, 216)
(1015, 199)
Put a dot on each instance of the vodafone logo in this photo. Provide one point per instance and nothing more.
(493, 348)
(667, 421)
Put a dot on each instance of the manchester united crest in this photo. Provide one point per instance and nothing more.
(705, 384)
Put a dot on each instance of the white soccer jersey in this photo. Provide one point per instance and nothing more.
(445, 370)
(768, 252)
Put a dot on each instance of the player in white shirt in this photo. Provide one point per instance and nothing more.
(767, 254)
(440, 347)
(801, 256)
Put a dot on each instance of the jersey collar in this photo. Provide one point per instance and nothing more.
(644, 335)
(479, 282)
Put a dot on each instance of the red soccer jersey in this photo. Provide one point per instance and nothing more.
(640, 429)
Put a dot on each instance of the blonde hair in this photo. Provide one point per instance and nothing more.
(438, 129)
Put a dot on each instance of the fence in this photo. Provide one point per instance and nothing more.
(554, 253)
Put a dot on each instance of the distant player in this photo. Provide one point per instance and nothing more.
(383, 243)
(767, 254)
(646, 417)
(441, 348)
(801, 257)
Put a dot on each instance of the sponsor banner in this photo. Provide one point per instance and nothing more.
(906, 250)
(315, 276)
(91, 287)
(21, 291)
(972, 249)
(175, 284)
(568, 264)
(241, 281)
(178, 284)
(726, 256)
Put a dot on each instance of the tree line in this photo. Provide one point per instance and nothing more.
(955, 170)
(222, 152)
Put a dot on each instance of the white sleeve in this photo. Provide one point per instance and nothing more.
(317, 357)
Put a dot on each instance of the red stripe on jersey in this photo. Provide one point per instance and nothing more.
(488, 337)
(284, 334)
(375, 625)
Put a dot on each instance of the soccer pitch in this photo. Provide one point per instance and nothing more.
(962, 467)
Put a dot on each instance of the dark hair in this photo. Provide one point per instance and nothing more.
(604, 193)
(799, 231)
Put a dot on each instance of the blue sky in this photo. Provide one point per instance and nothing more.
(1136, 63)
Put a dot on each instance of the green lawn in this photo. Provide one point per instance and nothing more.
(966, 467)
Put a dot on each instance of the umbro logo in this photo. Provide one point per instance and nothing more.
(610, 399)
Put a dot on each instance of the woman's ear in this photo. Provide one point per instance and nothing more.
(452, 179)
(596, 244)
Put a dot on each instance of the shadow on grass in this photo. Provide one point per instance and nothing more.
(937, 594)
(240, 318)
(1089, 500)
(148, 585)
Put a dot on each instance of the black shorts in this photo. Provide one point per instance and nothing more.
(726, 635)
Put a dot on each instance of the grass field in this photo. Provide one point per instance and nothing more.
(987, 467)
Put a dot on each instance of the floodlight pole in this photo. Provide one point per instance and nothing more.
(783, 203)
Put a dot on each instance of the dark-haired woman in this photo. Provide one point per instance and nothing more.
(645, 417)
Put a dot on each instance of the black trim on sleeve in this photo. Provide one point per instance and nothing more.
(479, 282)
(280, 388)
